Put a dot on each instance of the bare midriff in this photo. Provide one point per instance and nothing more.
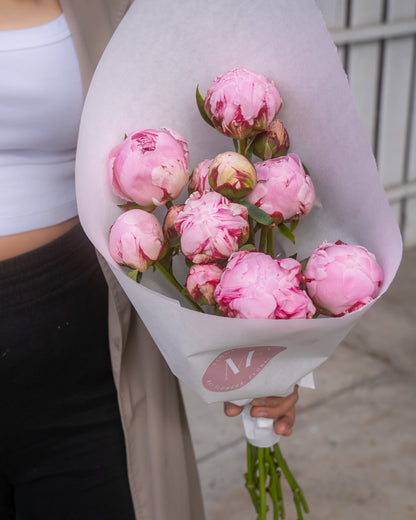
(21, 14)
(14, 245)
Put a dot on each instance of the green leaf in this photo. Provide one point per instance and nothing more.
(132, 205)
(294, 225)
(306, 169)
(188, 262)
(249, 149)
(256, 213)
(303, 263)
(135, 275)
(285, 231)
(248, 247)
(201, 108)
(175, 242)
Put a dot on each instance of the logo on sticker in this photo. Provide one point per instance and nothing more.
(234, 368)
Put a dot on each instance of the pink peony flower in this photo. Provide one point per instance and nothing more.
(232, 175)
(202, 281)
(283, 189)
(272, 143)
(168, 225)
(342, 278)
(150, 167)
(199, 179)
(136, 239)
(211, 227)
(241, 103)
(254, 285)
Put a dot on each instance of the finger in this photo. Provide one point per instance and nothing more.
(280, 409)
(284, 425)
(274, 401)
(231, 410)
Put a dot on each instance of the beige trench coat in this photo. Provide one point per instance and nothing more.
(161, 465)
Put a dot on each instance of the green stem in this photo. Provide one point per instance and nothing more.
(243, 146)
(276, 489)
(298, 495)
(251, 235)
(270, 242)
(169, 276)
(263, 239)
(272, 485)
(250, 475)
(262, 484)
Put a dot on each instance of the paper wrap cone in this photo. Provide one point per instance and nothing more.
(147, 78)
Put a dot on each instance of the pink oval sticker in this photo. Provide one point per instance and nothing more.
(234, 368)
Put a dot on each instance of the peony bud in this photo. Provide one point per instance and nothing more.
(241, 103)
(342, 278)
(169, 229)
(254, 285)
(199, 179)
(211, 227)
(202, 281)
(283, 189)
(232, 175)
(136, 239)
(272, 143)
(150, 168)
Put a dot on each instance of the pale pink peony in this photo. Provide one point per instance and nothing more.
(136, 239)
(342, 278)
(232, 175)
(254, 285)
(241, 103)
(168, 225)
(202, 281)
(211, 227)
(150, 167)
(199, 179)
(272, 143)
(283, 189)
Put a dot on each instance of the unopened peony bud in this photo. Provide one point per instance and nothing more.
(136, 240)
(199, 179)
(211, 227)
(150, 168)
(169, 229)
(283, 189)
(232, 175)
(342, 278)
(202, 281)
(272, 143)
(241, 103)
(254, 285)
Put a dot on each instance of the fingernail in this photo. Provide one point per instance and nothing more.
(258, 402)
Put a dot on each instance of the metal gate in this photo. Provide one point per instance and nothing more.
(376, 41)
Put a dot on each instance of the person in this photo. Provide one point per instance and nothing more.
(92, 421)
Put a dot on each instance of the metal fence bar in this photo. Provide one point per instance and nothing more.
(376, 40)
(385, 31)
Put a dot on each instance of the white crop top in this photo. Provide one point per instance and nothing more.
(40, 109)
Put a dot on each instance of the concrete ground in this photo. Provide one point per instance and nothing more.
(353, 449)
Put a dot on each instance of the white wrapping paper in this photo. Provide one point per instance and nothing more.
(147, 79)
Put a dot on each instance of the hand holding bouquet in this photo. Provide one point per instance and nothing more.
(225, 232)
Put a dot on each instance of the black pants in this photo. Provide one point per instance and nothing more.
(62, 452)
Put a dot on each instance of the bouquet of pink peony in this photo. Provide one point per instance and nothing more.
(225, 232)
(222, 239)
